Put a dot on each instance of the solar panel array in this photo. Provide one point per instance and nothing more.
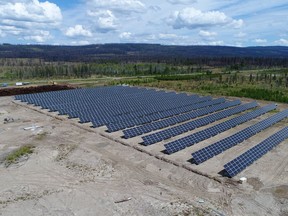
(111, 105)
(136, 131)
(137, 111)
(244, 160)
(199, 136)
(130, 122)
(105, 104)
(180, 129)
(224, 144)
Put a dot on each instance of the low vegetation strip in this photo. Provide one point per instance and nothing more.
(15, 155)
(260, 94)
(187, 77)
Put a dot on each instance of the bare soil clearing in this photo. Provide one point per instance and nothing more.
(74, 170)
(32, 89)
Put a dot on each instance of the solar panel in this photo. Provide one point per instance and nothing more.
(103, 105)
(177, 130)
(244, 160)
(119, 124)
(128, 133)
(122, 112)
(216, 129)
(224, 144)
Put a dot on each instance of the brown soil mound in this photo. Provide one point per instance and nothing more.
(33, 89)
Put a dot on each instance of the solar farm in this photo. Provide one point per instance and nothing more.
(216, 137)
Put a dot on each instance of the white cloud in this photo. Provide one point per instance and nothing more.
(145, 21)
(237, 23)
(10, 30)
(105, 20)
(119, 5)
(182, 1)
(163, 38)
(241, 35)
(30, 20)
(216, 43)
(260, 41)
(77, 31)
(125, 35)
(282, 42)
(238, 44)
(167, 36)
(39, 37)
(30, 11)
(80, 43)
(192, 18)
(110, 16)
(203, 33)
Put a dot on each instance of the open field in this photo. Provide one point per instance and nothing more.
(75, 169)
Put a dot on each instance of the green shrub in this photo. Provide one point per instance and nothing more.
(262, 94)
(14, 156)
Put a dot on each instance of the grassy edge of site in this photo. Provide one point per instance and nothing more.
(261, 84)
(273, 87)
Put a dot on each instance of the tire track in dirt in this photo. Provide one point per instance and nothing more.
(279, 171)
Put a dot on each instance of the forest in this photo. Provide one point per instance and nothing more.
(209, 55)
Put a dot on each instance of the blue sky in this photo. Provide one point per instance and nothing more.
(176, 22)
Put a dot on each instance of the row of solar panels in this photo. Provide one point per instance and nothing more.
(161, 115)
(247, 158)
(115, 106)
(198, 103)
(66, 98)
(228, 142)
(100, 118)
(112, 109)
(145, 115)
(105, 94)
(191, 125)
(216, 129)
(203, 109)
(114, 101)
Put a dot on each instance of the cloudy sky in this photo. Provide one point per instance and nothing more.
(177, 22)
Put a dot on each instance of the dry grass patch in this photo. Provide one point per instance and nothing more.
(19, 153)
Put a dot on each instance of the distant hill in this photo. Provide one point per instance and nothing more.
(132, 52)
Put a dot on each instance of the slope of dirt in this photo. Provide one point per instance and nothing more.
(32, 89)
